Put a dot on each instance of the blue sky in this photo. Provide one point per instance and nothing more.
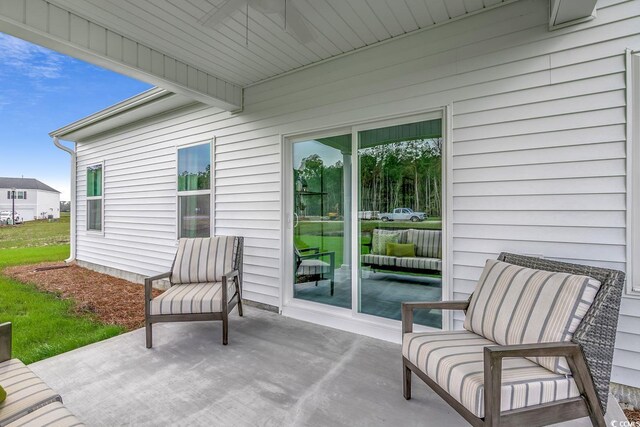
(40, 91)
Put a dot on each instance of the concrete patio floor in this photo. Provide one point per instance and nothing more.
(275, 371)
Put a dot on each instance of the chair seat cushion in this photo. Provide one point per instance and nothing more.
(312, 267)
(382, 260)
(455, 360)
(26, 392)
(191, 298)
(418, 263)
(517, 305)
(51, 415)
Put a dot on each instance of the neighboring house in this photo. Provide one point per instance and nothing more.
(33, 199)
(536, 127)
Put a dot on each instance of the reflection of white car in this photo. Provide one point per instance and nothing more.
(402, 214)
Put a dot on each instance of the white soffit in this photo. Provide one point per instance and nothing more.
(568, 12)
(338, 27)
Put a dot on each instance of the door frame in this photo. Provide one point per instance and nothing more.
(350, 319)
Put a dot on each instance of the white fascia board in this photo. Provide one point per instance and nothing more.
(140, 107)
(40, 22)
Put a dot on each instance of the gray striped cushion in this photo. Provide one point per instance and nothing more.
(203, 260)
(192, 298)
(381, 237)
(312, 267)
(455, 361)
(52, 415)
(517, 305)
(428, 242)
(434, 264)
(25, 391)
(379, 260)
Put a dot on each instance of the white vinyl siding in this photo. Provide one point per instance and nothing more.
(537, 150)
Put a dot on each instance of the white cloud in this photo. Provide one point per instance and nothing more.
(29, 59)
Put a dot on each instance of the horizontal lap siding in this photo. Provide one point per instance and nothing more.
(538, 145)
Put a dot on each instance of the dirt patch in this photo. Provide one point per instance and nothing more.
(632, 415)
(114, 301)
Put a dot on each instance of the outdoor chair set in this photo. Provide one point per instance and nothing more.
(536, 348)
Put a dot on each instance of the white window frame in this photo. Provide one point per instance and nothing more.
(210, 192)
(89, 198)
(633, 173)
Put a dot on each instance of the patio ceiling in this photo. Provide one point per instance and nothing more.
(166, 43)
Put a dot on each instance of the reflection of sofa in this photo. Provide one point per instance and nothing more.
(428, 248)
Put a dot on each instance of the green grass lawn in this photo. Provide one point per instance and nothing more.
(36, 233)
(43, 324)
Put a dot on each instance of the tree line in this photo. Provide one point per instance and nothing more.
(402, 174)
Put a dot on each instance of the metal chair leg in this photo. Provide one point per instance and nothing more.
(149, 333)
(406, 382)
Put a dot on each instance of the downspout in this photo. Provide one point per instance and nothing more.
(57, 143)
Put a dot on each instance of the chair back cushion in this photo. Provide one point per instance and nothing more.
(204, 260)
(428, 242)
(518, 305)
(380, 238)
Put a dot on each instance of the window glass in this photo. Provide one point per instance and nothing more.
(94, 215)
(94, 181)
(195, 215)
(194, 168)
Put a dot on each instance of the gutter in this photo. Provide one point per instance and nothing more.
(57, 143)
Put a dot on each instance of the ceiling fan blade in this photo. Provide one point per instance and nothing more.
(297, 26)
(220, 13)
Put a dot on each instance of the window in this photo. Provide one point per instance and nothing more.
(94, 197)
(21, 195)
(194, 191)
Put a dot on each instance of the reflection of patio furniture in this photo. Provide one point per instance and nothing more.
(206, 284)
(428, 249)
(311, 265)
(537, 347)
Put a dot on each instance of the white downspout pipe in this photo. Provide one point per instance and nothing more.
(57, 143)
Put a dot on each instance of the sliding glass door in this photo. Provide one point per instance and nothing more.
(391, 233)
(321, 220)
(400, 218)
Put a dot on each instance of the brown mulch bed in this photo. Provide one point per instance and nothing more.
(633, 415)
(114, 301)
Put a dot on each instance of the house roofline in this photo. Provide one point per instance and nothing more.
(129, 104)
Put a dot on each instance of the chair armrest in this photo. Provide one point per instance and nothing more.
(148, 283)
(493, 356)
(314, 249)
(5, 341)
(408, 307)
(549, 349)
(318, 255)
(230, 275)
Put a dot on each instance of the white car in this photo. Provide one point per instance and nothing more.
(5, 216)
(402, 214)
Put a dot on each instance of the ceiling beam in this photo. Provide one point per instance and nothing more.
(45, 24)
(563, 13)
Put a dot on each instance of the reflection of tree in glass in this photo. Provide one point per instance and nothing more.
(325, 181)
(402, 174)
(188, 181)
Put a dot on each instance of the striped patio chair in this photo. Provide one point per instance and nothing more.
(206, 284)
(536, 348)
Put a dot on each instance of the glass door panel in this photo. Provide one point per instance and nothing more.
(322, 220)
(400, 219)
